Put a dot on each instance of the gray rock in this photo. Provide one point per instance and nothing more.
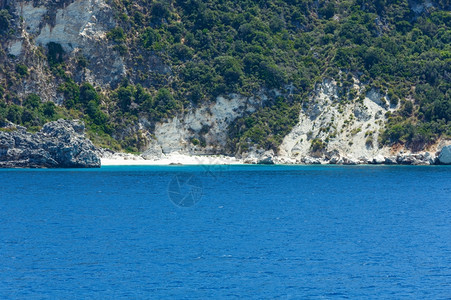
(379, 159)
(363, 160)
(423, 159)
(153, 152)
(410, 159)
(105, 153)
(429, 158)
(361, 113)
(415, 159)
(349, 161)
(266, 158)
(334, 160)
(266, 161)
(405, 159)
(280, 160)
(311, 160)
(60, 144)
(444, 157)
(250, 160)
(253, 156)
(391, 160)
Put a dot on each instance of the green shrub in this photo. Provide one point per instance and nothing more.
(117, 35)
(121, 49)
(149, 37)
(71, 93)
(125, 97)
(5, 21)
(55, 54)
(82, 61)
(317, 145)
(14, 114)
(165, 103)
(230, 68)
(49, 109)
(32, 101)
(159, 10)
(181, 52)
(22, 69)
(88, 93)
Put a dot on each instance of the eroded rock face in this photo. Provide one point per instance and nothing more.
(350, 127)
(80, 27)
(210, 122)
(60, 144)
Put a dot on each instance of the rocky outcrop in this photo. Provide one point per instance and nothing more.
(267, 158)
(60, 144)
(444, 157)
(414, 159)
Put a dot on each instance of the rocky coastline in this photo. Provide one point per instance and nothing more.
(109, 157)
(59, 144)
(63, 144)
(442, 157)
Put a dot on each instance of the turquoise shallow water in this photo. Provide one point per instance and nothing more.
(259, 232)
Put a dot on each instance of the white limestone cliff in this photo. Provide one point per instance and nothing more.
(210, 121)
(351, 127)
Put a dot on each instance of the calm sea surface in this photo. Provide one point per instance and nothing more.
(261, 232)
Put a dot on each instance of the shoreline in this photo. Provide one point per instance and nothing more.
(261, 165)
(173, 159)
(168, 160)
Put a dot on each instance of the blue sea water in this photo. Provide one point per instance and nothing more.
(259, 232)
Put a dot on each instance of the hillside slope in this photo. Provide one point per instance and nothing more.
(296, 77)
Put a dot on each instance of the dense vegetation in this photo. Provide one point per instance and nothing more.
(215, 47)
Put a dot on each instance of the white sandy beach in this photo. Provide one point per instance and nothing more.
(171, 159)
